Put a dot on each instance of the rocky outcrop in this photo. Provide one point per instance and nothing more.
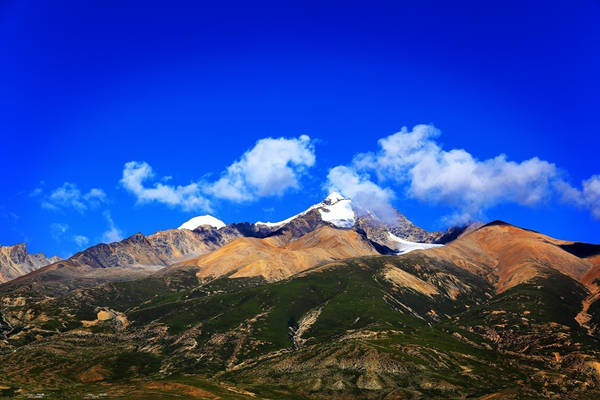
(16, 261)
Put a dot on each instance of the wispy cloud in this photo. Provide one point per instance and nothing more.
(38, 190)
(69, 196)
(113, 234)
(81, 241)
(58, 230)
(270, 168)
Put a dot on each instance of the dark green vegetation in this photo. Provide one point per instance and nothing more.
(407, 327)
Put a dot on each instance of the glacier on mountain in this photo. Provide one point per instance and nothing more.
(405, 246)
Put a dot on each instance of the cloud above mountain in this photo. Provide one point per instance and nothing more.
(112, 234)
(81, 241)
(365, 194)
(69, 196)
(270, 168)
(188, 197)
(588, 197)
(58, 229)
(410, 162)
(414, 161)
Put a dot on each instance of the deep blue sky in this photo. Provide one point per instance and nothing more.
(87, 86)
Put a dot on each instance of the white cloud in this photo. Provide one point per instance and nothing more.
(365, 194)
(113, 234)
(95, 196)
(270, 168)
(81, 241)
(188, 197)
(414, 160)
(38, 190)
(69, 195)
(587, 197)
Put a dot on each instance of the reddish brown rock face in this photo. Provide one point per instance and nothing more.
(509, 255)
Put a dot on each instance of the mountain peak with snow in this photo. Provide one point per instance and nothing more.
(335, 209)
(202, 220)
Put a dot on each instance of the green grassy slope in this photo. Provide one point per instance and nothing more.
(341, 330)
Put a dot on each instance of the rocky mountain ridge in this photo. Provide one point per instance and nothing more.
(16, 261)
(204, 234)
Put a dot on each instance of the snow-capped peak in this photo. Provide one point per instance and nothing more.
(202, 220)
(335, 209)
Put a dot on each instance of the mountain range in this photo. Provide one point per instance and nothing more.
(333, 302)
(140, 255)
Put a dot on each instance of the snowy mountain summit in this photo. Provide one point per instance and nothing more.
(338, 210)
(335, 209)
(202, 220)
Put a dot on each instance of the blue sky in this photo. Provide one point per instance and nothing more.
(189, 91)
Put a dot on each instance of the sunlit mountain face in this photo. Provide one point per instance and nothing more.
(299, 200)
(330, 301)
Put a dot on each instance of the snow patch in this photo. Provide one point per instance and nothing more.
(285, 221)
(405, 246)
(335, 209)
(339, 213)
(202, 220)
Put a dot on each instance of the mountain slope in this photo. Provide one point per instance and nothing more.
(508, 255)
(409, 326)
(272, 260)
(131, 258)
(340, 212)
(16, 261)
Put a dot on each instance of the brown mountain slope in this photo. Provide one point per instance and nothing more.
(16, 261)
(63, 276)
(248, 257)
(592, 277)
(507, 255)
(134, 257)
(159, 249)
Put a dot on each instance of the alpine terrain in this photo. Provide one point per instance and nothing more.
(331, 303)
